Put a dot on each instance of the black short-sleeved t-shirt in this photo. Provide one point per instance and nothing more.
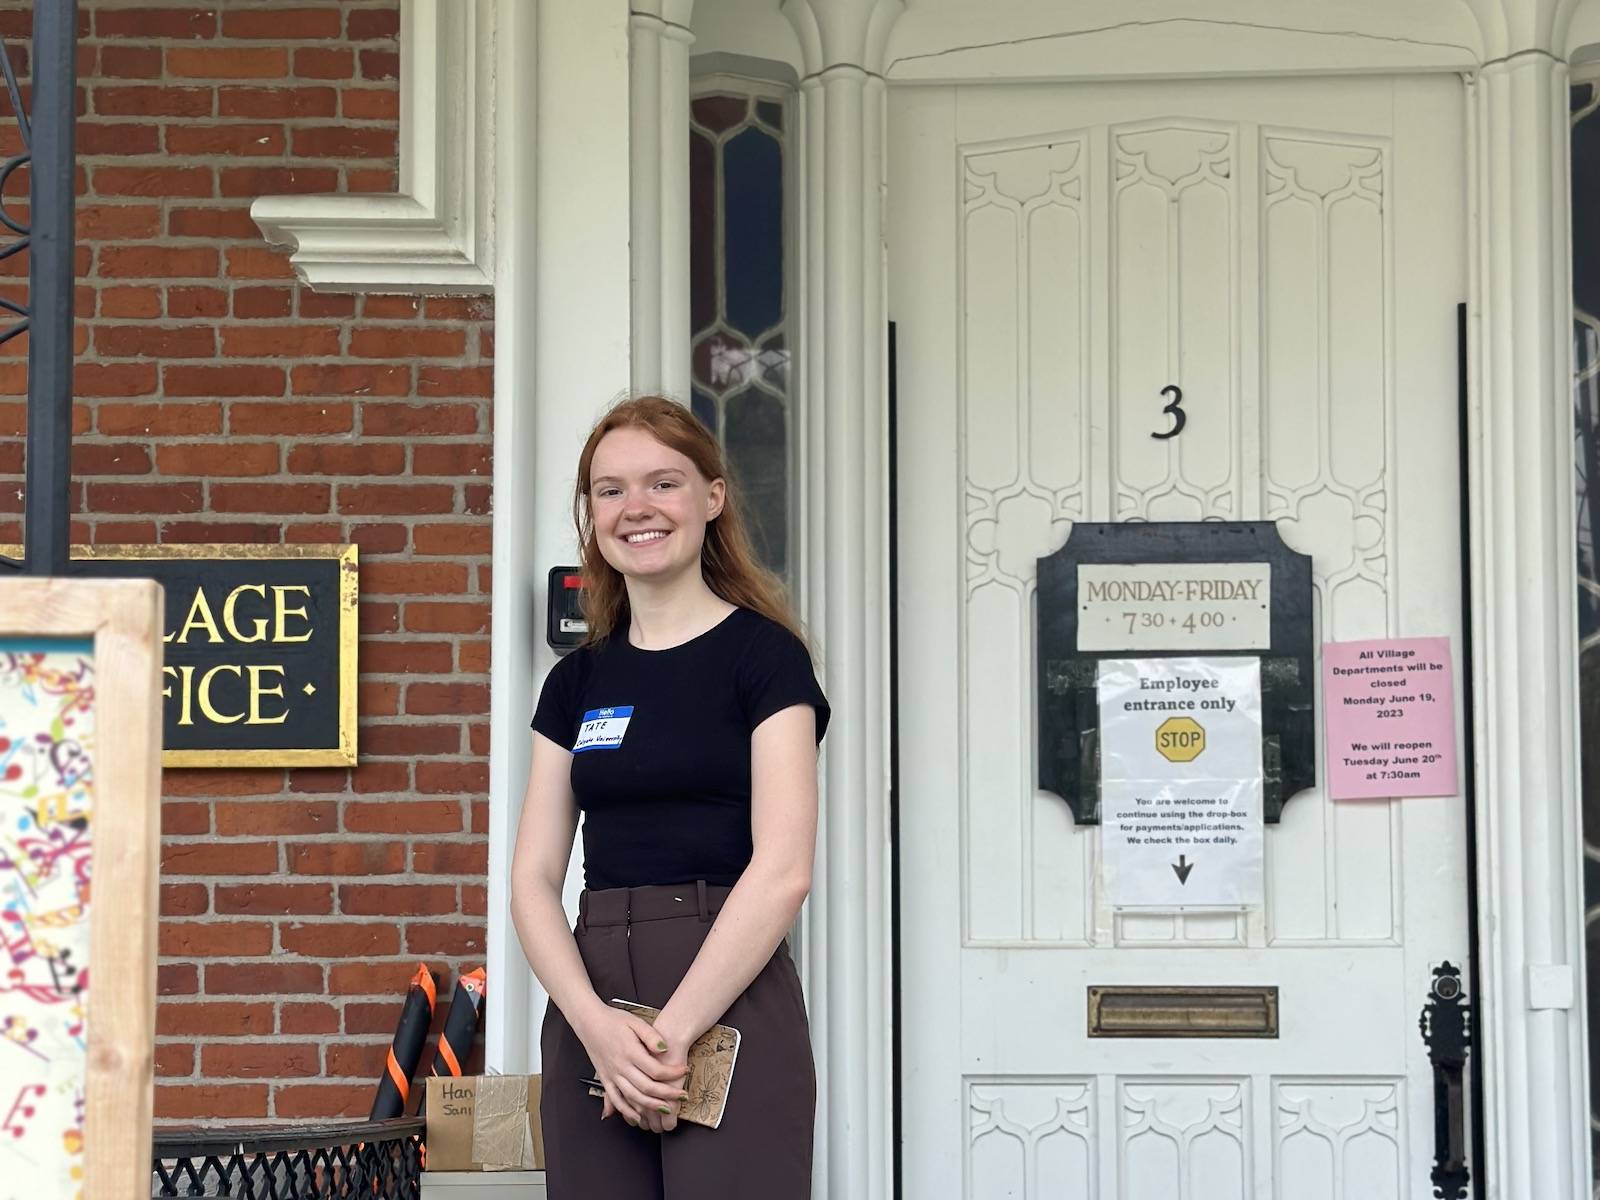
(661, 746)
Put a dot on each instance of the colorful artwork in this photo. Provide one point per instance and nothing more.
(46, 802)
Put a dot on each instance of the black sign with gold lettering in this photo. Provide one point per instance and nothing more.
(260, 645)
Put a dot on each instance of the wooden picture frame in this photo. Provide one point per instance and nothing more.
(118, 623)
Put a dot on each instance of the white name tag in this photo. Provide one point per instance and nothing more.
(602, 728)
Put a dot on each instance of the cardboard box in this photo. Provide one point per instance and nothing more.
(484, 1123)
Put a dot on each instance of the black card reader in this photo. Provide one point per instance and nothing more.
(565, 627)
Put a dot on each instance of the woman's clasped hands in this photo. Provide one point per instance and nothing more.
(642, 1077)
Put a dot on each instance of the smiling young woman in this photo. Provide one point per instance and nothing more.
(698, 790)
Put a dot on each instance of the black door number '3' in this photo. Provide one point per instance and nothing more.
(1179, 417)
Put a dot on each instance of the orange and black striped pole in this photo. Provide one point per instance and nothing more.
(416, 1015)
(460, 1024)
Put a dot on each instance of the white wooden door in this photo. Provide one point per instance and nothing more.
(1290, 253)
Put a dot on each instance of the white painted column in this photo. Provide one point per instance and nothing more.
(505, 1037)
(1531, 1045)
(847, 947)
(658, 104)
(562, 308)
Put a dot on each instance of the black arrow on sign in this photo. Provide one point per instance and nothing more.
(1181, 868)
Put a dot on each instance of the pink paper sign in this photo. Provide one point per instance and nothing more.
(1389, 710)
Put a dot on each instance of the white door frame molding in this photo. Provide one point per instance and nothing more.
(1533, 1037)
(846, 945)
(1531, 947)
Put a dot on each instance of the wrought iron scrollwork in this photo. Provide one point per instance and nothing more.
(8, 168)
(24, 238)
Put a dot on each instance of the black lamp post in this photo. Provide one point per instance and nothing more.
(47, 236)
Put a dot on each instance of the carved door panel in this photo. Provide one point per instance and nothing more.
(1289, 253)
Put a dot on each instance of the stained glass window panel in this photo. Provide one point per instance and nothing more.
(717, 113)
(756, 439)
(702, 232)
(752, 173)
(774, 362)
(706, 409)
(739, 309)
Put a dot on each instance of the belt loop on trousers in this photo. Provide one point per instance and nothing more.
(700, 899)
(583, 911)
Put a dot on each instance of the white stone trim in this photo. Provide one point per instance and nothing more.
(762, 86)
(764, 77)
(436, 234)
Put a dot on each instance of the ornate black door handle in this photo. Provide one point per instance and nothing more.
(1446, 1028)
(1179, 417)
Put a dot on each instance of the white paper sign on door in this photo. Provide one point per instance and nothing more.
(1181, 781)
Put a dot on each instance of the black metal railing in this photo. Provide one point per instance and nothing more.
(374, 1160)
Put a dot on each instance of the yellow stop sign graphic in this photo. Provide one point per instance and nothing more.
(1180, 739)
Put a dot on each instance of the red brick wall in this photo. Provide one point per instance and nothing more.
(220, 401)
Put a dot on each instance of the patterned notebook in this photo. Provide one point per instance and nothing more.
(711, 1061)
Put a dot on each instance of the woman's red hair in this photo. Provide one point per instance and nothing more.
(727, 560)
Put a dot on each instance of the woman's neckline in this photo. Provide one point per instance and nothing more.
(704, 633)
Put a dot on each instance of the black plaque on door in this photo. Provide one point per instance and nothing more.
(1164, 590)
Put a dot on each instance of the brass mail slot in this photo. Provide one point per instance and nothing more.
(1183, 1012)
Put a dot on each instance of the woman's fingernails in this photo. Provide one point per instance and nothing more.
(663, 1108)
(661, 1046)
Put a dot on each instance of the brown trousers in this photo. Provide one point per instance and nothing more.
(637, 944)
